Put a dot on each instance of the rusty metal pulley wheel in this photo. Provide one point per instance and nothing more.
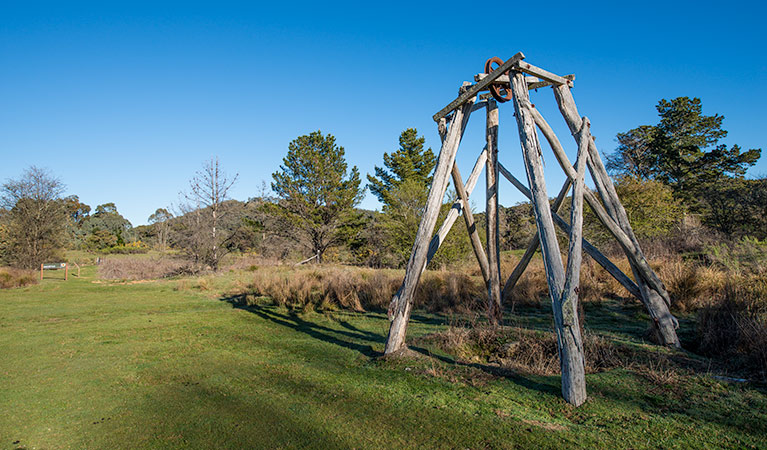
(496, 90)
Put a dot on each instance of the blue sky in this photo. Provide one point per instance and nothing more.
(124, 102)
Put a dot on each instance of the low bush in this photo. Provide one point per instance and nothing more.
(745, 256)
(12, 278)
(145, 268)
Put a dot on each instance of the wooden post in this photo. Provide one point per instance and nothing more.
(656, 298)
(401, 304)
(495, 310)
(41, 272)
(639, 266)
(66, 271)
(452, 215)
(471, 226)
(568, 337)
(456, 209)
(574, 253)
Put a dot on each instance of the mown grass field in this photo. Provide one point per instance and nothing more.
(165, 364)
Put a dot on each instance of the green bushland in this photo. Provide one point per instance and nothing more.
(184, 363)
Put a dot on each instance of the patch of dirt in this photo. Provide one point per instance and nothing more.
(122, 282)
(545, 425)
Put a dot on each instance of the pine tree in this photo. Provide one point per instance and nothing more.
(316, 194)
(681, 151)
(409, 162)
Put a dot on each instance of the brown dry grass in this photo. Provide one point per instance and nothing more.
(329, 287)
(691, 285)
(735, 325)
(12, 278)
(144, 268)
(535, 352)
(596, 284)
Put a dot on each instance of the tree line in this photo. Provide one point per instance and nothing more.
(664, 173)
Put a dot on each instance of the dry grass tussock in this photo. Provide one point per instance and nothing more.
(11, 278)
(691, 284)
(330, 287)
(596, 284)
(249, 262)
(734, 327)
(535, 352)
(145, 268)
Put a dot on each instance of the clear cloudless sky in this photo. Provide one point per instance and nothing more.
(124, 101)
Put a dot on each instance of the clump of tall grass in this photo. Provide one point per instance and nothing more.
(535, 352)
(12, 278)
(595, 282)
(735, 326)
(329, 287)
(145, 268)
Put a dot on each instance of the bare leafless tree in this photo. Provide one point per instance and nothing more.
(205, 209)
(35, 220)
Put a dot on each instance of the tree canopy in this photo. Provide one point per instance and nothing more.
(106, 227)
(409, 162)
(316, 193)
(35, 223)
(682, 150)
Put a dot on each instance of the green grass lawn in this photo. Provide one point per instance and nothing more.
(166, 365)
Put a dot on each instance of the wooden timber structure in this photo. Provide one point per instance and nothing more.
(516, 77)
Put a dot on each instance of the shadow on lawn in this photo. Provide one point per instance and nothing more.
(345, 338)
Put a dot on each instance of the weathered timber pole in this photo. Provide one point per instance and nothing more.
(402, 303)
(574, 252)
(495, 311)
(568, 337)
(564, 162)
(455, 210)
(452, 215)
(471, 226)
(654, 293)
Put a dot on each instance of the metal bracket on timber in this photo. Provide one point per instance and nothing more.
(512, 80)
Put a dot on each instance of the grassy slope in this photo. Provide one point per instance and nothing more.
(147, 365)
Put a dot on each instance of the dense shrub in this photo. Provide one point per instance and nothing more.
(11, 278)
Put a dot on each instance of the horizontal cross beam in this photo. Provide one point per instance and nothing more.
(542, 74)
(476, 88)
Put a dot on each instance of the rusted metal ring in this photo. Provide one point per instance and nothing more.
(495, 90)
